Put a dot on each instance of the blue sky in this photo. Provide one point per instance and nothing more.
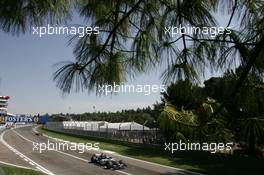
(27, 64)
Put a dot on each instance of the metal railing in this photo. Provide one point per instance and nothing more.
(144, 136)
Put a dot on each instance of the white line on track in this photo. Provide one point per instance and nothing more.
(31, 163)
(143, 161)
(41, 168)
(18, 166)
(79, 158)
(85, 160)
(123, 172)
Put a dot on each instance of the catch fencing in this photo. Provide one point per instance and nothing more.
(126, 131)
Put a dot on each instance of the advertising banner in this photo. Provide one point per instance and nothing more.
(23, 119)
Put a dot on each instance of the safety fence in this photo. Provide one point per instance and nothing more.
(127, 131)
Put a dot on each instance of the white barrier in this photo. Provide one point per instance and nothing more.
(98, 126)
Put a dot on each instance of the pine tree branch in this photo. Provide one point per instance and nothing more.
(252, 58)
(113, 31)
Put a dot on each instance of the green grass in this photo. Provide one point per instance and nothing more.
(216, 164)
(9, 170)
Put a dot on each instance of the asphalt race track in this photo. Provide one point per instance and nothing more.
(16, 147)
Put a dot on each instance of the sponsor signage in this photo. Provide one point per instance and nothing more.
(21, 119)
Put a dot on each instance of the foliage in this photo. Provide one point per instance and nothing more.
(194, 125)
(177, 125)
(10, 170)
(193, 161)
(245, 109)
(241, 117)
(184, 94)
(17, 16)
(252, 132)
(147, 116)
(132, 41)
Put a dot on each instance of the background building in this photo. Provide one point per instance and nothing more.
(3, 108)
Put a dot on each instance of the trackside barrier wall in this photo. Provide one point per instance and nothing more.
(128, 131)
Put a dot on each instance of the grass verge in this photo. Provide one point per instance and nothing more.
(9, 170)
(216, 164)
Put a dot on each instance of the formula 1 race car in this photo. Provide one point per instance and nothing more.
(107, 162)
